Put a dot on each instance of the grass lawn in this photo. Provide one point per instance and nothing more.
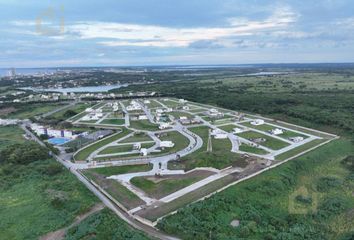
(116, 170)
(153, 104)
(113, 121)
(250, 149)
(170, 103)
(144, 125)
(29, 203)
(270, 142)
(115, 189)
(83, 154)
(138, 137)
(221, 156)
(78, 108)
(160, 187)
(228, 128)
(177, 115)
(10, 135)
(30, 110)
(180, 141)
(300, 149)
(123, 148)
(89, 121)
(267, 128)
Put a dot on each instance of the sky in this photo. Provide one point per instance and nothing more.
(169, 32)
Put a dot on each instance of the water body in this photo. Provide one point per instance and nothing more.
(90, 89)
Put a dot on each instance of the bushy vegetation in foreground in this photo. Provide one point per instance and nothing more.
(37, 195)
(103, 225)
(307, 198)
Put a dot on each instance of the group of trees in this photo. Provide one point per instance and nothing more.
(23, 153)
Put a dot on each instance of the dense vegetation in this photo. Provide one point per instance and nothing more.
(270, 206)
(36, 194)
(103, 225)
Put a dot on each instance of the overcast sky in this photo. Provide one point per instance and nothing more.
(164, 32)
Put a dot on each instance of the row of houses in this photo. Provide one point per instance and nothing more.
(50, 132)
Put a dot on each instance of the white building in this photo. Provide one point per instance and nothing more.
(185, 107)
(143, 152)
(257, 122)
(237, 130)
(137, 146)
(147, 102)
(142, 117)
(218, 134)
(166, 144)
(134, 106)
(164, 126)
(297, 139)
(182, 101)
(277, 131)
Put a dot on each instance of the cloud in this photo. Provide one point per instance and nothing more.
(205, 44)
(121, 34)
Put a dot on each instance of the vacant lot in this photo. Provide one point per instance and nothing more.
(158, 187)
(269, 142)
(10, 135)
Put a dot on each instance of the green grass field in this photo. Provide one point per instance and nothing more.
(144, 125)
(116, 170)
(115, 189)
(165, 186)
(267, 128)
(34, 109)
(138, 137)
(228, 128)
(270, 142)
(36, 203)
(10, 135)
(124, 148)
(250, 149)
(112, 121)
(83, 154)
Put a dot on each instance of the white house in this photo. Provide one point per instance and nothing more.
(182, 101)
(137, 146)
(143, 152)
(237, 130)
(185, 107)
(166, 144)
(277, 131)
(257, 122)
(142, 117)
(218, 134)
(147, 102)
(296, 139)
(164, 126)
(183, 118)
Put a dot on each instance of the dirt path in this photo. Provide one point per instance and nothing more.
(60, 234)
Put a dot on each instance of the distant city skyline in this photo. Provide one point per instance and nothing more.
(165, 32)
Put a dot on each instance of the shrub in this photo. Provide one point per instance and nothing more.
(326, 183)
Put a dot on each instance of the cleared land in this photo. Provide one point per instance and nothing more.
(159, 187)
(269, 142)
